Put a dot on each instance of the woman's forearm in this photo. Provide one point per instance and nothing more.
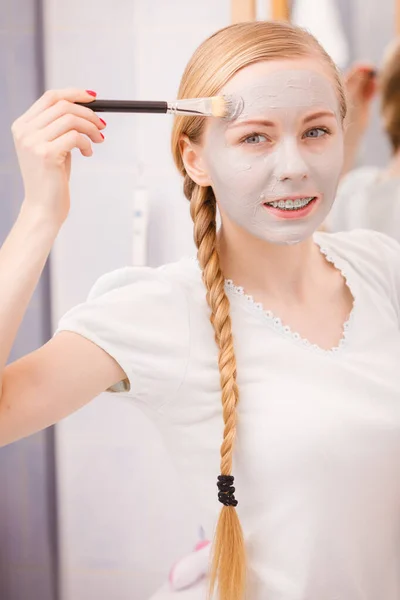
(22, 259)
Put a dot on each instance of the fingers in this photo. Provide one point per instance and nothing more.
(370, 89)
(360, 72)
(68, 122)
(54, 116)
(51, 97)
(59, 148)
(362, 66)
(361, 84)
(61, 108)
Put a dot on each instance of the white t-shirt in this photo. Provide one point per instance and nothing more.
(366, 200)
(317, 458)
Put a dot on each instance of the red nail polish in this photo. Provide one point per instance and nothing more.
(102, 135)
(104, 123)
(91, 92)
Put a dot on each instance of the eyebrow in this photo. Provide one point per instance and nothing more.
(252, 122)
(319, 115)
(312, 117)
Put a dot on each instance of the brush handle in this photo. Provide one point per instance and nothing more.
(126, 106)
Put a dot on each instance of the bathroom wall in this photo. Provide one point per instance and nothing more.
(28, 548)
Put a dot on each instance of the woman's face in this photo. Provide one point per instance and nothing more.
(275, 169)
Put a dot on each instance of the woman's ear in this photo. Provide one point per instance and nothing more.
(192, 157)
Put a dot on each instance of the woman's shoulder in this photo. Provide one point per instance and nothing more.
(373, 256)
(168, 279)
(140, 317)
(352, 195)
(133, 297)
(361, 243)
(359, 178)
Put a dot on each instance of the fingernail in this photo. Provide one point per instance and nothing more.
(102, 135)
(104, 123)
(91, 92)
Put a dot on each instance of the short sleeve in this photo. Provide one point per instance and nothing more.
(140, 318)
(346, 210)
(389, 250)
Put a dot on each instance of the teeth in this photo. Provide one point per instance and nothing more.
(291, 204)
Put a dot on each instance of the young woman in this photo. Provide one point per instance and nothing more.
(369, 196)
(296, 331)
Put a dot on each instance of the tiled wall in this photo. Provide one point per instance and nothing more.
(27, 534)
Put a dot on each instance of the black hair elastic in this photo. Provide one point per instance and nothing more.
(226, 490)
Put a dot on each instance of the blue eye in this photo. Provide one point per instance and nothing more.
(252, 139)
(317, 132)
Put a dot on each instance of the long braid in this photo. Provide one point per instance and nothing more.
(228, 566)
(212, 65)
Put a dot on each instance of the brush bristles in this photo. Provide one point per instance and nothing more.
(226, 107)
(220, 106)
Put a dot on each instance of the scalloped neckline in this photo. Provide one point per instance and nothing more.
(276, 323)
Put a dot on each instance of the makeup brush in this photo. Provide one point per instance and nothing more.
(226, 107)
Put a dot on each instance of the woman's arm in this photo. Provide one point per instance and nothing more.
(51, 383)
(55, 380)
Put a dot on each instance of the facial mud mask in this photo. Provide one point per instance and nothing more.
(273, 170)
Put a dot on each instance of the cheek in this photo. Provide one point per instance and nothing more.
(225, 161)
(326, 160)
(224, 164)
(240, 177)
(229, 165)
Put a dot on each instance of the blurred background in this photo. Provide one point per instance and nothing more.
(81, 517)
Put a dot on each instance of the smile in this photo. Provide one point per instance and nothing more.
(292, 208)
(291, 204)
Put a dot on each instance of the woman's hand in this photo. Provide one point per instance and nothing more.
(361, 87)
(44, 137)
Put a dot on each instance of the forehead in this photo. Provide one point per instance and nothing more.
(295, 85)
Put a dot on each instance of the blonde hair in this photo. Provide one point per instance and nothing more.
(212, 65)
(389, 81)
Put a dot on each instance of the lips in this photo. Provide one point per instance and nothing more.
(291, 211)
(293, 198)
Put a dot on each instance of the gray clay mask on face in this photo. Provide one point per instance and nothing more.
(281, 161)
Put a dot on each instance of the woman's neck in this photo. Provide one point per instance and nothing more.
(261, 268)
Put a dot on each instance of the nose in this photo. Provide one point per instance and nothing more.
(289, 162)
